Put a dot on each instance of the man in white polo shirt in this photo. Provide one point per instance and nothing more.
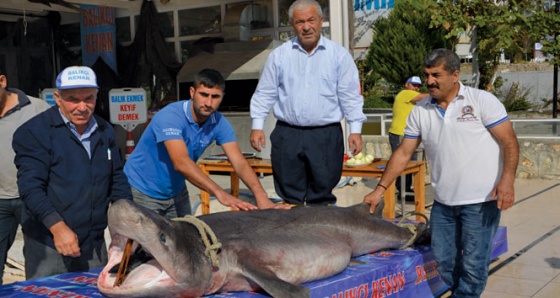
(473, 154)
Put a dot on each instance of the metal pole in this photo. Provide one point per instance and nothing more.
(555, 92)
(555, 74)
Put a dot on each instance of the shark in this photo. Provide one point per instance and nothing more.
(271, 251)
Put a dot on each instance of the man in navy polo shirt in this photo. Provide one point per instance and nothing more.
(176, 137)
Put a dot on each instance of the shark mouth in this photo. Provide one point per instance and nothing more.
(129, 273)
(129, 261)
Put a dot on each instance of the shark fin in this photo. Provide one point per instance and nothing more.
(273, 285)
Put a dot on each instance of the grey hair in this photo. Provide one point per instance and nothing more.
(301, 4)
(450, 60)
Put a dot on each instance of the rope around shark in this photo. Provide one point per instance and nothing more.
(412, 228)
(210, 240)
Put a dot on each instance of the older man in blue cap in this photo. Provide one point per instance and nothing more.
(69, 170)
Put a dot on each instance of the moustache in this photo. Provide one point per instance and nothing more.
(433, 86)
(78, 113)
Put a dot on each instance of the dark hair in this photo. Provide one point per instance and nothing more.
(450, 60)
(209, 78)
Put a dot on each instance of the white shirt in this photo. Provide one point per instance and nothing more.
(309, 89)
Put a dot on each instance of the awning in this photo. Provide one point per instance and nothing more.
(242, 60)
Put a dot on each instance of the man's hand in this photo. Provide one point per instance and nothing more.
(504, 193)
(355, 143)
(234, 203)
(65, 240)
(373, 198)
(268, 204)
(257, 139)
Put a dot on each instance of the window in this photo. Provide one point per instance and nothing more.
(199, 21)
(123, 30)
(70, 34)
(164, 20)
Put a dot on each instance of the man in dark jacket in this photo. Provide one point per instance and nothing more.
(69, 170)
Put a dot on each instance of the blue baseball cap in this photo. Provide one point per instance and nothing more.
(75, 77)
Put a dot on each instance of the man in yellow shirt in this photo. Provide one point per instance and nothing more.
(404, 102)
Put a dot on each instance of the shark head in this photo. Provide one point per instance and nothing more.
(175, 266)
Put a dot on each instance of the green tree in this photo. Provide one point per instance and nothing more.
(492, 26)
(545, 28)
(401, 41)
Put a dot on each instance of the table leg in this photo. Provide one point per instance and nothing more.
(420, 191)
(234, 181)
(204, 195)
(389, 198)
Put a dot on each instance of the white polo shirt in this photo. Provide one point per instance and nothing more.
(465, 159)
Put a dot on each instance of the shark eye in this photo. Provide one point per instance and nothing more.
(162, 238)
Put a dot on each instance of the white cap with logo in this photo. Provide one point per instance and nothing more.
(414, 80)
(74, 77)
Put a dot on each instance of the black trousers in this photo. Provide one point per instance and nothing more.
(395, 141)
(307, 162)
(42, 260)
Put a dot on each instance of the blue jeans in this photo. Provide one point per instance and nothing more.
(10, 217)
(462, 243)
(177, 206)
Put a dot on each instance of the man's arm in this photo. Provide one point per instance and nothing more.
(419, 97)
(398, 161)
(350, 99)
(245, 172)
(33, 162)
(263, 99)
(183, 164)
(504, 190)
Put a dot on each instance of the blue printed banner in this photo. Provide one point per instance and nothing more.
(393, 273)
(365, 13)
(99, 38)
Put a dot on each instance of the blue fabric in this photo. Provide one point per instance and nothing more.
(462, 244)
(149, 168)
(57, 179)
(309, 89)
(85, 137)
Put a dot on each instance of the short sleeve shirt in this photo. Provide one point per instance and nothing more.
(149, 167)
(401, 109)
(465, 159)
